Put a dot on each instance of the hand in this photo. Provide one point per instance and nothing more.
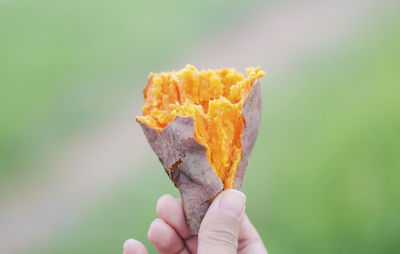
(224, 229)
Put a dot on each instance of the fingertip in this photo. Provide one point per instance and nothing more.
(232, 202)
(163, 202)
(237, 192)
(219, 230)
(159, 231)
(132, 246)
(165, 196)
(170, 210)
(163, 237)
(232, 192)
(154, 230)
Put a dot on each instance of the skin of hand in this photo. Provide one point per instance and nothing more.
(224, 229)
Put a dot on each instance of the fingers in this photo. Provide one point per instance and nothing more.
(219, 231)
(132, 246)
(225, 229)
(164, 238)
(191, 244)
(171, 211)
(249, 240)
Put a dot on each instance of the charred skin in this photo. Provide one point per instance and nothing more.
(186, 163)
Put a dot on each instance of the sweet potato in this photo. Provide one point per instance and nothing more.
(202, 125)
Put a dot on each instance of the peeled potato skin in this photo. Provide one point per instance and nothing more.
(194, 177)
(252, 112)
(186, 163)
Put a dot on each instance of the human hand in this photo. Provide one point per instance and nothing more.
(224, 229)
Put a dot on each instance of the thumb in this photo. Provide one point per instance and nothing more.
(219, 230)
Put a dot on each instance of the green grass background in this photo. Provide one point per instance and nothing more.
(324, 174)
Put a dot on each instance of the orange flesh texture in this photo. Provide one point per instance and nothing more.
(214, 99)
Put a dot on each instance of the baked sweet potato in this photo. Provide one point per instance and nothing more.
(202, 125)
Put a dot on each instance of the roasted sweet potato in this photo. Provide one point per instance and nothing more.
(202, 125)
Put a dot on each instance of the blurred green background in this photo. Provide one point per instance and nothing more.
(77, 176)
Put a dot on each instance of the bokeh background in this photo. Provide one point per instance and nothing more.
(77, 176)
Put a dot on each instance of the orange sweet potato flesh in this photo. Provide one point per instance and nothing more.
(202, 125)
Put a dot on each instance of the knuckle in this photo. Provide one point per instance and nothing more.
(221, 235)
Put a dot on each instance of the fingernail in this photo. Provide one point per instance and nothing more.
(232, 202)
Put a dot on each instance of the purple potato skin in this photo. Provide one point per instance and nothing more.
(252, 111)
(186, 163)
